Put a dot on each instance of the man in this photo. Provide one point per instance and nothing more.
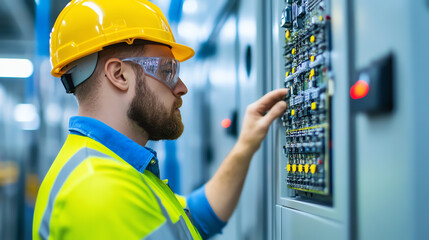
(121, 61)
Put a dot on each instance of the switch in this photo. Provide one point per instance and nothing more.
(305, 111)
(312, 73)
(286, 21)
(301, 11)
(372, 90)
(313, 106)
(313, 168)
(287, 34)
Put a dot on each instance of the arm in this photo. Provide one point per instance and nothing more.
(224, 189)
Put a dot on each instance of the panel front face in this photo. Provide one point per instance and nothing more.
(300, 225)
(307, 119)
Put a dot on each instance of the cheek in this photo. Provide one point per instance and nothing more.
(161, 92)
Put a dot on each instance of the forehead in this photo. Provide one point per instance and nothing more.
(157, 51)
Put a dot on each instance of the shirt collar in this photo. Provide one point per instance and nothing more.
(137, 156)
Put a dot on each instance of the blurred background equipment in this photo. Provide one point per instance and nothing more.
(346, 161)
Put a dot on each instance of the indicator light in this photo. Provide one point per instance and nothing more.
(359, 90)
(226, 123)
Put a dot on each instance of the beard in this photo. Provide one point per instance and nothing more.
(151, 115)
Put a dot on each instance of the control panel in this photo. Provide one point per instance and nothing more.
(309, 79)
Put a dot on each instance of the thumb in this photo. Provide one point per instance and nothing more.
(275, 112)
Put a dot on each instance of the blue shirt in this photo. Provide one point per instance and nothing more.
(143, 158)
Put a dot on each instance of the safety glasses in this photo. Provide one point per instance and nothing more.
(163, 69)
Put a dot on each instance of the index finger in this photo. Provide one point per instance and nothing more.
(268, 100)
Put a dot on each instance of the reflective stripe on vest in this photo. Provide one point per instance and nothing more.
(168, 230)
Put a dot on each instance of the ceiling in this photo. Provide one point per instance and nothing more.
(17, 23)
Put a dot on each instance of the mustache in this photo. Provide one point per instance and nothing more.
(178, 103)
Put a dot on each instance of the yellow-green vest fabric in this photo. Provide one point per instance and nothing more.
(91, 193)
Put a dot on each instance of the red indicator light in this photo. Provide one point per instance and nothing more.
(226, 123)
(359, 90)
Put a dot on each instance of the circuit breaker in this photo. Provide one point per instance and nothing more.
(307, 120)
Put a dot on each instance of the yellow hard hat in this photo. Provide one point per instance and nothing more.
(86, 26)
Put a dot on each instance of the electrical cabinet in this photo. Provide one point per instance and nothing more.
(310, 143)
(372, 146)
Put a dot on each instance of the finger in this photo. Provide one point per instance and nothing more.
(268, 100)
(278, 109)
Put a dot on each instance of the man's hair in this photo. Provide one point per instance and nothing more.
(86, 91)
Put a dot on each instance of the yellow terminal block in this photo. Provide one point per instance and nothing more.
(293, 51)
(313, 168)
(293, 70)
(312, 58)
(307, 168)
(300, 168)
(312, 73)
(288, 167)
(321, 18)
(312, 39)
(313, 106)
(287, 74)
(294, 168)
(292, 112)
(287, 34)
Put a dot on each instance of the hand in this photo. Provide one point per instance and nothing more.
(259, 116)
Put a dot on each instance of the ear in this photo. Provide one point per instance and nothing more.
(114, 70)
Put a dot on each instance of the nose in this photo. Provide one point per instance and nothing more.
(180, 89)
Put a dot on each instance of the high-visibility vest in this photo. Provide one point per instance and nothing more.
(91, 193)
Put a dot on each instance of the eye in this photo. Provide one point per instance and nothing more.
(166, 72)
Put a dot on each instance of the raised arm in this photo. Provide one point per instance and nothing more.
(224, 189)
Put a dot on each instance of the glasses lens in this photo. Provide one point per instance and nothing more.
(168, 71)
(163, 69)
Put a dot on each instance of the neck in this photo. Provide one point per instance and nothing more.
(121, 124)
